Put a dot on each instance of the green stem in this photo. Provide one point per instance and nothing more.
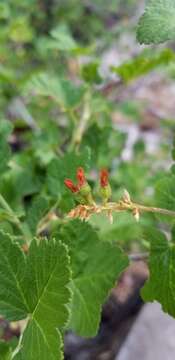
(44, 222)
(14, 219)
(82, 125)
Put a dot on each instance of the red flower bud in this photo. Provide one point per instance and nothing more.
(70, 185)
(104, 178)
(81, 177)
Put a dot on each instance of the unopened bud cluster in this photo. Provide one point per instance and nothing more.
(82, 193)
(81, 190)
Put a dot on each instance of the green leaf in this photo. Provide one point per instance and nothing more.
(161, 285)
(4, 154)
(90, 73)
(157, 24)
(143, 64)
(96, 266)
(65, 167)
(63, 39)
(106, 143)
(6, 128)
(125, 229)
(5, 351)
(165, 192)
(61, 90)
(41, 341)
(47, 292)
(17, 183)
(26, 182)
(36, 285)
(4, 11)
(37, 210)
(12, 264)
(20, 30)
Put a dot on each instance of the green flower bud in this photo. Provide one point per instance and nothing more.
(85, 192)
(105, 188)
(105, 193)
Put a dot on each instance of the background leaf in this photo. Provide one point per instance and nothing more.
(61, 90)
(65, 167)
(165, 192)
(96, 266)
(157, 24)
(5, 351)
(4, 154)
(63, 39)
(37, 210)
(161, 286)
(143, 64)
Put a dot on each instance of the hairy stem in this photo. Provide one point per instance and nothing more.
(84, 212)
(125, 204)
(141, 208)
(156, 210)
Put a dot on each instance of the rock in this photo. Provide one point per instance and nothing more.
(152, 336)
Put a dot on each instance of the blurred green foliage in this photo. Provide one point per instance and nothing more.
(54, 107)
(58, 112)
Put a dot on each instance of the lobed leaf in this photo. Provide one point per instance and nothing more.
(165, 192)
(161, 285)
(13, 303)
(47, 278)
(61, 90)
(96, 266)
(36, 285)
